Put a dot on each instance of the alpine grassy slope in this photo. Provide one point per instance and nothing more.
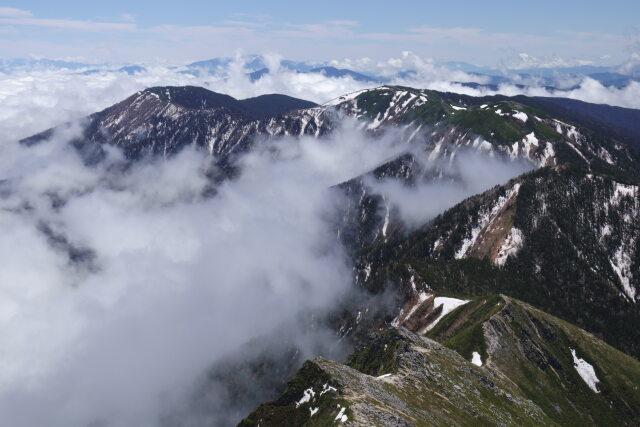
(563, 238)
(535, 369)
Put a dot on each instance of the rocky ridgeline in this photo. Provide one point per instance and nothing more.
(494, 360)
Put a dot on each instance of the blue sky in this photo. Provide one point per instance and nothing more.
(486, 33)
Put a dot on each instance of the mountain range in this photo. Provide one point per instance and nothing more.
(515, 306)
(255, 67)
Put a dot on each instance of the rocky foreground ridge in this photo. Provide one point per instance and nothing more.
(492, 361)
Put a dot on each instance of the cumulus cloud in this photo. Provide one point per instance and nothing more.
(12, 12)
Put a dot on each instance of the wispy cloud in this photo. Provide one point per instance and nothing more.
(25, 18)
(127, 17)
(326, 39)
(12, 12)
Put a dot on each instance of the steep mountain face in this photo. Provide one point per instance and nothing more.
(497, 125)
(163, 120)
(565, 240)
(551, 208)
(622, 124)
(446, 126)
(495, 360)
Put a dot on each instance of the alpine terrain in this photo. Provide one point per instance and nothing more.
(516, 305)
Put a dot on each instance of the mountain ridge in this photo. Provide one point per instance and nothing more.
(399, 378)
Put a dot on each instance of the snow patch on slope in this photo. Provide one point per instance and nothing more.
(448, 305)
(520, 116)
(476, 359)
(341, 415)
(586, 371)
(549, 153)
(622, 259)
(529, 143)
(306, 397)
(422, 297)
(621, 190)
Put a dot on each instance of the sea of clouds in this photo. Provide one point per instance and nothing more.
(35, 100)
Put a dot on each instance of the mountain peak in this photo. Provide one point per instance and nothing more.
(193, 97)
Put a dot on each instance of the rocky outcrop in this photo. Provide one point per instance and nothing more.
(427, 384)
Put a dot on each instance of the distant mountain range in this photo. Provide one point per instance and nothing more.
(256, 67)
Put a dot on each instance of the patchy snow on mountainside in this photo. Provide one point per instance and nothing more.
(511, 245)
(529, 141)
(621, 190)
(448, 305)
(621, 264)
(306, 397)
(327, 388)
(520, 116)
(549, 154)
(529, 146)
(485, 219)
(476, 359)
(586, 371)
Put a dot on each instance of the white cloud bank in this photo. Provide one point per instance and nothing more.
(120, 288)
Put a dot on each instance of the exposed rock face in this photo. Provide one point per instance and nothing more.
(418, 312)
